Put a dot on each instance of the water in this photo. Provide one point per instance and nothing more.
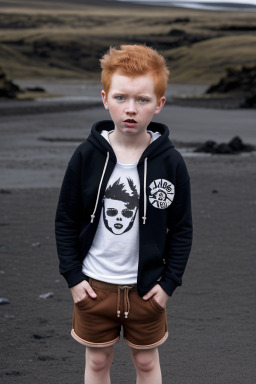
(236, 5)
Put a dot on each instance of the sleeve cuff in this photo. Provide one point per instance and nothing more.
(168, 286)
(74, 277)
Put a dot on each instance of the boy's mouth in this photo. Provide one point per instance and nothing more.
(130, 121)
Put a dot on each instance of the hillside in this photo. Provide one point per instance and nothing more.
(57, 39)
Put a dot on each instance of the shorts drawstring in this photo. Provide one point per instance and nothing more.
(113, 287)
(126, 289)
(118, 312)
(126, 303)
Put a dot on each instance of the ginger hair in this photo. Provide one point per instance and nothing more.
(135, 60)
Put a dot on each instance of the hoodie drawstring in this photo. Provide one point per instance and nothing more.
(98, 194)
(144, 218)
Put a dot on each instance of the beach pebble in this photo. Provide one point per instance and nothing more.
(208, 147)
(36, 244)
(223, 149)
(4, 301)
(46, 295)
(235, 145)
(9, 316)
(38, 337)
(5, 191)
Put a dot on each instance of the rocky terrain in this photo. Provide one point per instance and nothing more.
(8, 89)
(238, 82)
(58, 39)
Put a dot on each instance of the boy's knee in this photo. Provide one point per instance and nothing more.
(144, 361)
(99, 360)
(145, 365)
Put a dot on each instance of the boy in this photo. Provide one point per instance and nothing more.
(123, 222)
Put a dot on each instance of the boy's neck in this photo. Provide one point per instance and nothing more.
(129, 142)
(128, 149)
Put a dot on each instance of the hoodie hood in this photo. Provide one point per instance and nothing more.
(158, 146)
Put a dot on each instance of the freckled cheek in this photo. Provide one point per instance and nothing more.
(115, 108)
(115, 111)
(147, 113)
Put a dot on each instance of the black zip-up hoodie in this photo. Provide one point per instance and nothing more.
(165, 223)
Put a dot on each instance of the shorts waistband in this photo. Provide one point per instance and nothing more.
(111, 287)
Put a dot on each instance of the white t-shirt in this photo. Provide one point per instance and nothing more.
(114, 253)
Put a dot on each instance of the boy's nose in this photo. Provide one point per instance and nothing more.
(131, 108)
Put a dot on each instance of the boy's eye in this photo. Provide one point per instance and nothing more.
(119, 98)
(143, 100)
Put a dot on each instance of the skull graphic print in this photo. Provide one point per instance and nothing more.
(120, 206)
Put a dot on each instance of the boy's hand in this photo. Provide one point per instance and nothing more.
(159, 295)
(81, 290)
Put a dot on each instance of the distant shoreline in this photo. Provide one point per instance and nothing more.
(223, 6)
(129, 4)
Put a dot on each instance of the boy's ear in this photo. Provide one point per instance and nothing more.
(104, 98)
(160, 105)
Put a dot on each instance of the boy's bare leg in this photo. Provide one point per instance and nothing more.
(97, 365)
(146, 362)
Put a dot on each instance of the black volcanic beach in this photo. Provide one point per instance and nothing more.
(212, 316)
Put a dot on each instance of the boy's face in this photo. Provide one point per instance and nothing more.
(132, 102)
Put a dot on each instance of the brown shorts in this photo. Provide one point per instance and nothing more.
(97, 322)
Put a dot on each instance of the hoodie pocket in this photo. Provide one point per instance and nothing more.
(151, 257)
(151, 265)
(82, 302)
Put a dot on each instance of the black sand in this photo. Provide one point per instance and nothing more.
(211, 318)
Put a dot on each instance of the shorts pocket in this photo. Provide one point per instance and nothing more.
(82, 302)
(156, 305)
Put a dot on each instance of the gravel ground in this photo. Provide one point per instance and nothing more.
(211, 318)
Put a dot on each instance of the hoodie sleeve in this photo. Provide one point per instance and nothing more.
(68, 222)
(179, 236)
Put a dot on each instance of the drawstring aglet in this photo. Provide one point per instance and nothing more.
(126, 315)
(92, 218)
(144, 218)
(118, 313)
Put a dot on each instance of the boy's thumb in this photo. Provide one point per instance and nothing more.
(147, 296)
(91, 292)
